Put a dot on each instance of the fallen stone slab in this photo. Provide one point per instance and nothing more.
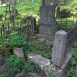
(38, 59)
(47, 66)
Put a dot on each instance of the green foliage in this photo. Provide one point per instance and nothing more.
(51, 75)
(14, 62)
(2, 75)
(30, 66)
(15, 40)
(70, 73)
(72, 64)
(73, 61)
(29, 7)
(17, 64)
(3, 49)
(45, 53)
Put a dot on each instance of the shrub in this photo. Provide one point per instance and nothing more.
(15, 63)
(16, 41)
(51, 75)
(30, 66)
(65, 13)
(2, 75)
(3, 49)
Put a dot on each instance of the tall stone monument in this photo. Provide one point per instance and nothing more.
(48, 24)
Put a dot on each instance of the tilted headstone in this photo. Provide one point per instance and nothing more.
(58, 51)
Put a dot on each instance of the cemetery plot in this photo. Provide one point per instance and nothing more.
(29, 50)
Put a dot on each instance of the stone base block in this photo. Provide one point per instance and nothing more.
(46, 30)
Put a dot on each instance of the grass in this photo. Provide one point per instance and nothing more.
(67, 22)
(26, 7)
(71, 5)
(29, 7)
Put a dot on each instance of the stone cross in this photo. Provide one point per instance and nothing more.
(58, 52)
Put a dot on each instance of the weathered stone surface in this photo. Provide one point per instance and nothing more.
(45, 30)
(47, 20)
(19, 52)
(49, 67)
(6, 70)
(22, 74)
(46, 2)
(59, 48)
(34, 75)
(39, 60)
(46, 14)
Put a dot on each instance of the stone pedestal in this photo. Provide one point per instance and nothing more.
(46, 30)
(58, 52)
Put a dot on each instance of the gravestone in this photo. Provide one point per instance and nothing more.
(59, 48)
(48, 24)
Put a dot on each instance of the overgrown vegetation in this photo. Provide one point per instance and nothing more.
(15, 40)
(18, 64)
